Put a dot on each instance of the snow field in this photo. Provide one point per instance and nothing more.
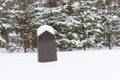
(74, 65)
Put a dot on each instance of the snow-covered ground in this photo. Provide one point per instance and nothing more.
(74, 65)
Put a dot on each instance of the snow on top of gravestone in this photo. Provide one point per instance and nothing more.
(44, 28)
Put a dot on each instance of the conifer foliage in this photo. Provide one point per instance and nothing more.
(79, 24)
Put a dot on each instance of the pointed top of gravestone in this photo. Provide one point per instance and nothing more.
(44, 28)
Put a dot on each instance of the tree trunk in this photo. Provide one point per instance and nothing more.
(109, 41)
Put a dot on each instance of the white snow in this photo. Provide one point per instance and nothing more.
(8, 0)
(1, 39)
(44, 28)
(12, 34)
(6, 25)
(1, 8)
(75, 65)
(76, 5)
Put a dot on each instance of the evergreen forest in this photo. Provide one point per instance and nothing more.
(78, 24)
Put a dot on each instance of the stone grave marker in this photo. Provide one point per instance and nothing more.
(46, 44)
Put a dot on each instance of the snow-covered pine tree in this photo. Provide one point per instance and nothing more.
(27, 32)
(107, 21)
(117, 28)
(17, 16)
(65, 35)
(5, 26)
(1, 40)
(84, 26)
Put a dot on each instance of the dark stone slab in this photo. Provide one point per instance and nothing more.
(46, 47)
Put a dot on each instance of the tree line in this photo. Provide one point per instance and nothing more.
(78, 24)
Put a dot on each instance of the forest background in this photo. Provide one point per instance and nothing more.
(78, 24)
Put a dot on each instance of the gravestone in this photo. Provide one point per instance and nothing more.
(46, 44)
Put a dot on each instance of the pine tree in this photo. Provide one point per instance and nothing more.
(84, 27)
(5, 28)
(18, 18)
(108, 20)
